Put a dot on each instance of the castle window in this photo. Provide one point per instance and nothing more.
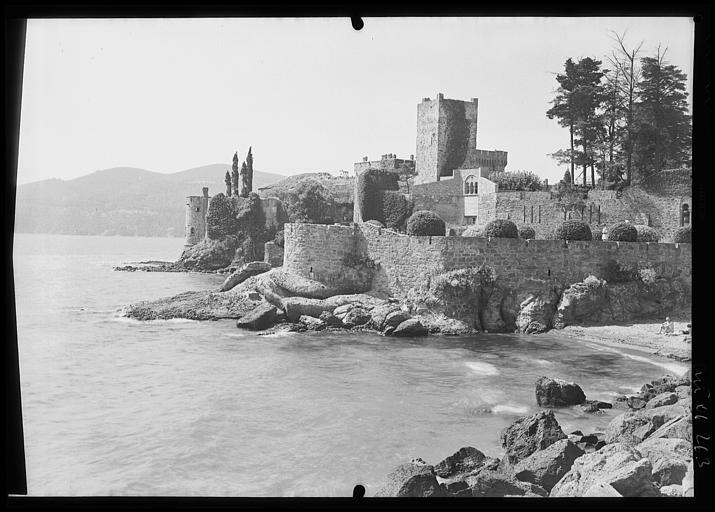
(193, 231)
(470, 185)
(198, 209)
(685, 215)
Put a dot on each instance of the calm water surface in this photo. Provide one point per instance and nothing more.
(113, 406)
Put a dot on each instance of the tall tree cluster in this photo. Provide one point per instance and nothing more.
(624, 119)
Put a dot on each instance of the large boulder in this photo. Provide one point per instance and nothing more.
(378, 315)
(632, 428)
(669, 458)
(666, 398)
(617, 464)
(302, 286)
(664, 384)
(411, 481)
(410, 328)
(546, 467)
(582, 303)
(396, 318)
(683, 392)
(558, 393)
(536, 312)
(295, 307)
(250, 269)
(676, 428)
(356, 316)
(494, 484)
(529, 434)
(262, 317)
(465, 461)
(312, 323)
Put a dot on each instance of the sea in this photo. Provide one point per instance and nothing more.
(118, 407)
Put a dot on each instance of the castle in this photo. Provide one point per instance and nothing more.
(451, 179)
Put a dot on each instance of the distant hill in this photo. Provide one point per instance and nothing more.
(119, 201)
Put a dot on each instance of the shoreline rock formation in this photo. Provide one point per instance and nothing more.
(540, 460)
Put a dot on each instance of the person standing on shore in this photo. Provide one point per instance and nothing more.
(667, 327)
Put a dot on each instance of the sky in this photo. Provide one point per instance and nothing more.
(309, 95)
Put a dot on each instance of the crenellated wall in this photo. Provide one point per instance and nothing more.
(406, 262)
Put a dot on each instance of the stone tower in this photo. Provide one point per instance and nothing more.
(196, 209)
(446, 135)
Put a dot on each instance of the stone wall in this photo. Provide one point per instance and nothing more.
(602, 208)
(406, 262)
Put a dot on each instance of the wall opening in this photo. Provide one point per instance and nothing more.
(685, 215)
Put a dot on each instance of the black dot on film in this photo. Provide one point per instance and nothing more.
(358, 491)
(357, 22)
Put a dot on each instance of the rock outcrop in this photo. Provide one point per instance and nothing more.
(410, 328)
(669, 459)
(261, 317)
(494, 484)
(581, 303)
(240, 275)
(411, 481)
(617, 465)
(464, 462)
(529, 434)
(558, 393)
(633, 428)
(546, 467)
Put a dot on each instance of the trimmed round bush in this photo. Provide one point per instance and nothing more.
(473, 231)
(623, 232)
(573, 230)
(527, 233)
(425, 223)
(646, 233)
(501, 228)
(682, 235)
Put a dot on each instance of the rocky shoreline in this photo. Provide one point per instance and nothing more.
(647, 451)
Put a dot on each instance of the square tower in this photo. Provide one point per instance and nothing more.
(446, 133)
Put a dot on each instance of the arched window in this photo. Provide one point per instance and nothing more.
(685, 215)
(471, 185)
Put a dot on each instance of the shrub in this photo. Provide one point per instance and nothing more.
(623, 232)
(370, 187)
(682, 235)
(501, 228)
(310, 202)
(612, 272)
(425, 223)
(517, 180)
(573, 230)
(527, 232)
(473, 231)
(646, 233)
(396, 209)
(279, 238)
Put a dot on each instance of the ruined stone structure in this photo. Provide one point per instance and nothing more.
(388, 162)
(196, 209)
(447, 140)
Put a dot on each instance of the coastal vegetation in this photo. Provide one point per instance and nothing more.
(623, 232)
(425, 223)
(683, 235)
(647, 233)
(501, 228)
(573, 230)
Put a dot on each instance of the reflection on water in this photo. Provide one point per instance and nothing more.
(116, 407)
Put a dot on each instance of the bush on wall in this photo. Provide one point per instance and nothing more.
(623, 232)
(473, 231)
(501, 228)
(425, 223)
(517, 180)
(370, 187)
(646, 233)
(221, 217)
(682, 235)
(573, 230)
(396, 209)
(527, 233)
(310, 202)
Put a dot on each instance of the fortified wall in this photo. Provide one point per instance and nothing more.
(325, 253)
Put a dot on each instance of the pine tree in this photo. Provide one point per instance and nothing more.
(664, 137)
